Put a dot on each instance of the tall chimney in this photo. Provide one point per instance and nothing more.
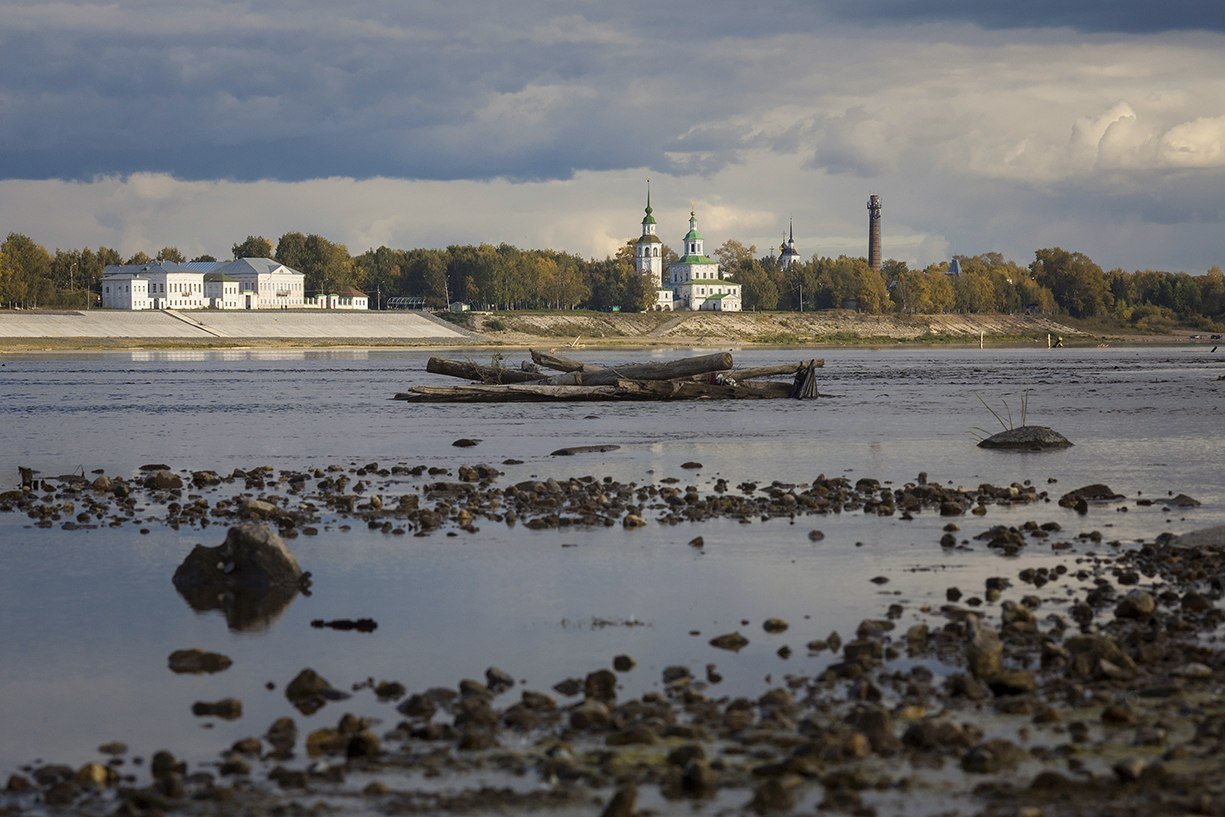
(874, 232)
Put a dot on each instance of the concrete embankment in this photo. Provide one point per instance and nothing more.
(218, 327)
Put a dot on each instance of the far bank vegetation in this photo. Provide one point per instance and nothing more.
(504, 277)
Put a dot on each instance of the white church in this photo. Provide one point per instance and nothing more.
(693, 281)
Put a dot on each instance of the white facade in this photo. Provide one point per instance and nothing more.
(648, 259)
(128, 291)
(222, 291)
(270, 284)
(344, 298)
(248, 283)
(788, 254)
(695, 280)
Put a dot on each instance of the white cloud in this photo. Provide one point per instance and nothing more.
(1196, 144)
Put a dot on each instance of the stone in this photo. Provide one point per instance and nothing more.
(1213, 537)
(251, 577)
(418, 706)
(1026, 438)
(227, 709)
(1136, 604)
(984, 653)
(163, 480)
(623, 663)
(991, 757)
(198, 662)
(623, 803)
(601, 685)
(1096, 492)
(309, 691)
(498, 680)
(590, 715)
(729, 641)
(774, 625)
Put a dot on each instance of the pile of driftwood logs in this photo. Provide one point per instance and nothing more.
(707, 377)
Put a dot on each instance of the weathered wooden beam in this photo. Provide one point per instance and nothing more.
(468, 370)
(760, 371)
(508, 393)
(668, 370)
(561, 364)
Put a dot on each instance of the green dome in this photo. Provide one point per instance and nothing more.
(693, 235)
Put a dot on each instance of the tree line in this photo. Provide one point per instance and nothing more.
(507, 277)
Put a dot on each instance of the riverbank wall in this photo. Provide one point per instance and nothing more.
(102, 329)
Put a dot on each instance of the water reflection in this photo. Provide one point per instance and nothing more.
(238, 355)
(245, 611)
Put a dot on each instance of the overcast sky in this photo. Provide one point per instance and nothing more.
(984, 125)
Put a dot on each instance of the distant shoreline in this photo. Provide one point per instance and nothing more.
(27, 332)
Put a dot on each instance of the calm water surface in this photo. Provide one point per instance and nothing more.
(87, 618)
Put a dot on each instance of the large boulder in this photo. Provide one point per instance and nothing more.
(1213, 537)
(251, 577)
(1026, 438)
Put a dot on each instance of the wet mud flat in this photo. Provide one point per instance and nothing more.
(1088, 685)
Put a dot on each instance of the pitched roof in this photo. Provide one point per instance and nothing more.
(253, 266)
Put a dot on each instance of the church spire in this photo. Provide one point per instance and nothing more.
(648, 218)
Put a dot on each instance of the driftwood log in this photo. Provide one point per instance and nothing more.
(759, 371)
(669, 370)
(618, 390)
(561, 364)
(467, 370)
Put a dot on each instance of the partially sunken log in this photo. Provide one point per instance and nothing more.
(619, 390)
(467, 370)
(1026, 438)
(510, 393)
(685, 367)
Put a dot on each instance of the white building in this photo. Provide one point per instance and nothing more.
(648, 259)
(272, 284)
(247, 283)
(695, 280)
(344, 298)
(223, 291)
(788, 254)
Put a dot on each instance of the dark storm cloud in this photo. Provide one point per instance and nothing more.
(1126, 16)
(288, 91)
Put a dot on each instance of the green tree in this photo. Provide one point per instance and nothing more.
(139, 259)
(757, 289)
(1078, 285)
(291, 251)
(382, 272)
(205, 257)
(171, 254)
(255, 246)
(25, 274)
(732, 254)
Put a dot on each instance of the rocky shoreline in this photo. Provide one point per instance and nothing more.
(1087, 686)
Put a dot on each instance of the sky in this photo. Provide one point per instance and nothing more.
(983, 125)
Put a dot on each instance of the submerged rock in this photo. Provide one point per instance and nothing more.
(251, 577)
(1026, 438)
(197, 662)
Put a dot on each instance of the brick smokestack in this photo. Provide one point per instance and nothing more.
(874, 232)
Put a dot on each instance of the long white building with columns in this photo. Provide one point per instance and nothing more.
(245, 283)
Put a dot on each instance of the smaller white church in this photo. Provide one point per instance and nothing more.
(693, 282)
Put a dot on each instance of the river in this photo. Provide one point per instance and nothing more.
(89, 616)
